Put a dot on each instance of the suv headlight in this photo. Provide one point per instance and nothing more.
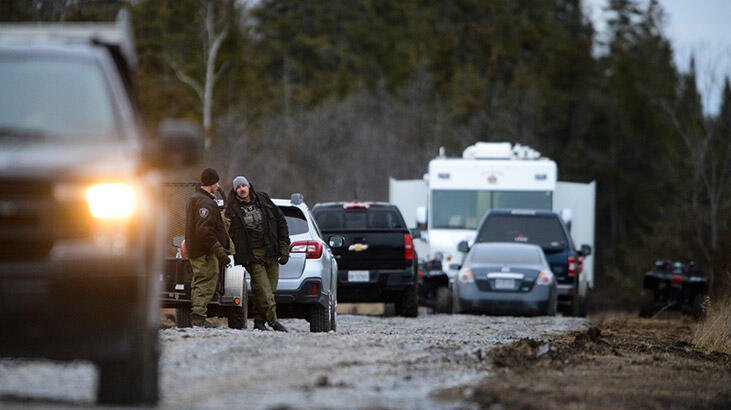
(111, 200)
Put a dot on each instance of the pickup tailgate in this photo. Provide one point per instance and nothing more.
(369, 250)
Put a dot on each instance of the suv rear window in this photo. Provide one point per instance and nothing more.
(544, 231)
(331, 219)
(296, 222)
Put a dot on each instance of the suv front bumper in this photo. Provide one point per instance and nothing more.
(80, 309)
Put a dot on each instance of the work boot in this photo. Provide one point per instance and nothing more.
(260, 325)
(278, 327)
(200, 321)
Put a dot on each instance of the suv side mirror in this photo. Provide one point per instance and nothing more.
(336, 241)
(415, 233)
(585, 250)
(180, 143)
(463, 247)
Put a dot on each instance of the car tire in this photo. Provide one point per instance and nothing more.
(408, 306)
(334, 316)
(582, 307)
(553, 307)
(319, 319)
(182, 317)
(443, 302)
(647, 303)
(132, 380)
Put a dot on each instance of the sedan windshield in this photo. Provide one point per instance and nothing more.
(52, 99)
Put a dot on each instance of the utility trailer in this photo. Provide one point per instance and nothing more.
(229, 301)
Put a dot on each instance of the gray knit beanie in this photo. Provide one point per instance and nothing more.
(240, 180)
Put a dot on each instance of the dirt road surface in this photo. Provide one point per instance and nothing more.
(616, 363)
(371, 362)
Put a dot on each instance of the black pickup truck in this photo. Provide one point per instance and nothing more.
(376, 262)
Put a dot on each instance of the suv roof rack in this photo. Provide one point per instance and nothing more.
(117, 34)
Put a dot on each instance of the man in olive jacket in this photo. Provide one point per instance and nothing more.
(206, 241)
(261, 238)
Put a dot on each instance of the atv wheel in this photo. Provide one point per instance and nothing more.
(647, 303)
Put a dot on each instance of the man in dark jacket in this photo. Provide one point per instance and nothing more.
(206, 240)
(261, 238)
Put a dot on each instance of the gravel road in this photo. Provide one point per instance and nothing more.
(371, 362)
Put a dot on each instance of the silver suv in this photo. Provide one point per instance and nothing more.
(307, 286)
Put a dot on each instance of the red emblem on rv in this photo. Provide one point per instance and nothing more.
(492, 179)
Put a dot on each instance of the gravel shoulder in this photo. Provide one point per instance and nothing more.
(371, 362)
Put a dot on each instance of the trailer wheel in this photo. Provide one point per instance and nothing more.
(132, 380)
(238, 315)
(443, 302)
(182, 317)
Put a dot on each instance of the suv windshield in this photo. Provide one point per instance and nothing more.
(544, 231)
(54, 99)
(358, 219)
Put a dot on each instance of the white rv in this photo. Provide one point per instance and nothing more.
(456, 193)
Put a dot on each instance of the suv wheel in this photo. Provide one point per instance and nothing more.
(443, 300)
(334, 314)
(182, 317)
(320, 318)
(408, 306)
(132, 380)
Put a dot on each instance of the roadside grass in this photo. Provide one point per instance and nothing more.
(713, 333)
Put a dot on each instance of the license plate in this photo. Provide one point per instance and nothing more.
(358, 276)
(504, 284)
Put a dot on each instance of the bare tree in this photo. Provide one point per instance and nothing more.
(212, 40)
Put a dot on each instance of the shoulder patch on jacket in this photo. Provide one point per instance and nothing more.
(203, 212)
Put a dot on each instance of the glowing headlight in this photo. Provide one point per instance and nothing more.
(111, 201)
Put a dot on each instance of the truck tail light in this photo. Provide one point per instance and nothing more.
(408, 247)
(312, 249)
(571, 266)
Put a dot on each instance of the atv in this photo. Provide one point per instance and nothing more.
(673, 285)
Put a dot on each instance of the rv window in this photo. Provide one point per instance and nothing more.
(464, 209)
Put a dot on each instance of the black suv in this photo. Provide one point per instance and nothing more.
(547, 230)
(81, 221)
(376, 262)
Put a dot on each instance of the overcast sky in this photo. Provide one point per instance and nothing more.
(701, 28)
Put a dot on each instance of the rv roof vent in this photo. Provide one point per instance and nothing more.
(488, 150)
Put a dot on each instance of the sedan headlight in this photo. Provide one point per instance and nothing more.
(111, 200)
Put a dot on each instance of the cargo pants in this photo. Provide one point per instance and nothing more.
(264, 271)
(203, 285)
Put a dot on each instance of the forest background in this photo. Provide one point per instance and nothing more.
(331, 98)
